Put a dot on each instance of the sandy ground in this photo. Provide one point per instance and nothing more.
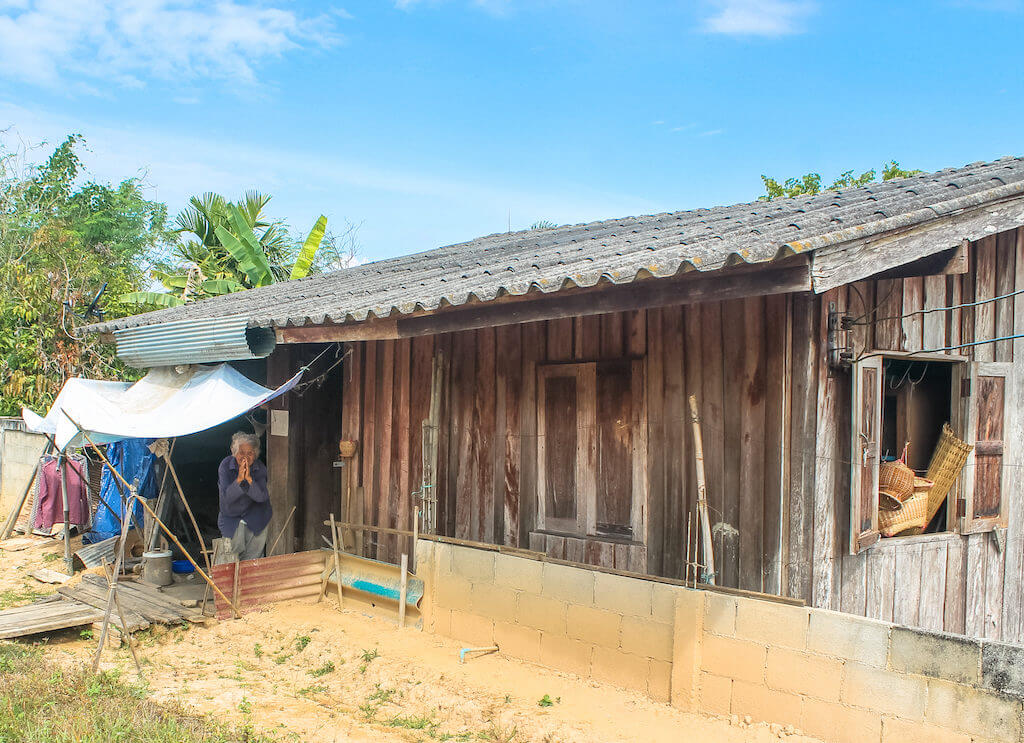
(310, 672)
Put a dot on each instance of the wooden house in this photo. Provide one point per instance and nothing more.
(530, 389)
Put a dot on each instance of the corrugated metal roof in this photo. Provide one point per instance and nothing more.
(618, 251)
(190, 341)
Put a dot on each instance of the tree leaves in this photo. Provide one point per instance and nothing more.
(810, 183)
(157, 299)
(304, 261)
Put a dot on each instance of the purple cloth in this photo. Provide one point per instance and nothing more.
(240, 500)
(50, 509)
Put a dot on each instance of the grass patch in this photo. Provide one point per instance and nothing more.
(42, 703)
(19, 596)
(323, 670)
(302, 642)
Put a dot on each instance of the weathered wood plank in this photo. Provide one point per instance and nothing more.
(752, 393)
(778, 422)
(587, 337)
(712, 413)
(993, 590)
(636, 333)
(693, 369)
(913, 322)
(385, 443)
(445, 484)
(611, 336)
(463, 460)
(889, 307)
(675, 464)
(1006, 260)
(1013, 574)
(732, 425)
(803, 403)
(560, 340)
(282, 498)
(533, 343)
(509, 386)
(934, 323)
(953, 611)
(880, 579)
(489, 470)
(985, 288)
(368, 448)
(400, 455)
(853, 591)
(827, 453)
(655, 453)
(907, 604)
(975, 570)
(934, 559)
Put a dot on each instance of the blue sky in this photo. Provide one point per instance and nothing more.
(433, 121)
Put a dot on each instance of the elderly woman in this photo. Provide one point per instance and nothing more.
(244, 502)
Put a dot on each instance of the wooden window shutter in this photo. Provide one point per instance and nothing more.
(866, 444)
(991, 415)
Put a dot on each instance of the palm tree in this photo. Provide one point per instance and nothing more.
(230, 247)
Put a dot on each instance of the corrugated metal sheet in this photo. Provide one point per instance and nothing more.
(190, 341)
(616, 251)
(269, 579)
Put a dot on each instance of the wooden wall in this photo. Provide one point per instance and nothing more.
(776, 439)
(732, 355)
(956, 583)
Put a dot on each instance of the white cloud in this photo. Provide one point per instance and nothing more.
(758, 17)
(86, 42)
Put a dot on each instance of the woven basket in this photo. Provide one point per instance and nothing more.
(947, 463)
(896, 479)
(911, 515)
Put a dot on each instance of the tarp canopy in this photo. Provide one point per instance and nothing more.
(165, 403)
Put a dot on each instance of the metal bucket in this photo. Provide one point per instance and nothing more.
(157, 568)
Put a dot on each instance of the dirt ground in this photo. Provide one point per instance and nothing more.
(310, 672)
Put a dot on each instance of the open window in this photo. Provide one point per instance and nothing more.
(591, 450)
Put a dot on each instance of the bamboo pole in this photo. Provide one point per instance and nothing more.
(188, 509)
(337, 558)
(707, 552)
(111, 584)
(403, 590)
(281, 533)
(161, 524)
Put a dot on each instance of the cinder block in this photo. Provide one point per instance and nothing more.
(659, 682)
(574, 585)
(715, 694)
(540, 612)
(847, 637)
(771, 623)
(518, 641)
(978, 712)
(472, 628)
(475, 565)
(496, 602)
(883, 691)
(764, 704)
(594, 625)
(647, 638)
(663, 601)
(896, 730)
(720, 614)
(803, 673)
(620, 669)
(938, 655)
(686, 648)
(565, 654)
(519, 573)
(738, 659)
(453, 592)
(831, 721)
(623, 595)
(1002, 668)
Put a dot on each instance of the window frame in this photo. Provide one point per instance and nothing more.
(587, 466)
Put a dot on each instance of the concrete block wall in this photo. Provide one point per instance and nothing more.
(596, 625)
(19, 452)
(834, 676)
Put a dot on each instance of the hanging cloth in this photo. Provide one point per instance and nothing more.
(50, 509)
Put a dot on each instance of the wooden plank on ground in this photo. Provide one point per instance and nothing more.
(53, 615)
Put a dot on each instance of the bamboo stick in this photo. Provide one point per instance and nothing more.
(403, 590)
(702, 497)
(337, 559)
(281, 533)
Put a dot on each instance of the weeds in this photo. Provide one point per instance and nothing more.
(302, 642)
(500, 733)
(19, 596)
(547, 701)
(323, 670)
(368, 656)
(414, 722)
(40, 703)
(86, 634)
(312, 689)
(257, 650)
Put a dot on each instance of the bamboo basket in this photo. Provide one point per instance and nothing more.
(911, 515)
(947, 463)
(896, 479)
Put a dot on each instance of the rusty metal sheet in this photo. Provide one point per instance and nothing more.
(269, 579)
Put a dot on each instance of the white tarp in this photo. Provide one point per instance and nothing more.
(164, 403)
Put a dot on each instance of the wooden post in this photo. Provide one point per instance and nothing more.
(337, 559)
(707, 552)
(403, 590)
(62, 465)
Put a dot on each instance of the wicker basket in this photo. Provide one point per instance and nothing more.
(947, 463)
(896, 479)
(911, 515)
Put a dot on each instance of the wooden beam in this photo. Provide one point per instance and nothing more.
(851, 261)
(692, 288)
(374, 330)
(951, 261)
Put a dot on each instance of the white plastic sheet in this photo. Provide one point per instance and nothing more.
(164, 403)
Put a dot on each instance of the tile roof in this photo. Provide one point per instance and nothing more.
(615, 250)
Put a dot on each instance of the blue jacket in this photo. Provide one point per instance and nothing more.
(240, 500)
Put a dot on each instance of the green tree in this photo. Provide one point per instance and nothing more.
(61, 240)
(810, 183)
(227, 247)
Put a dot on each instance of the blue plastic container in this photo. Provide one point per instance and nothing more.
(182, 567)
